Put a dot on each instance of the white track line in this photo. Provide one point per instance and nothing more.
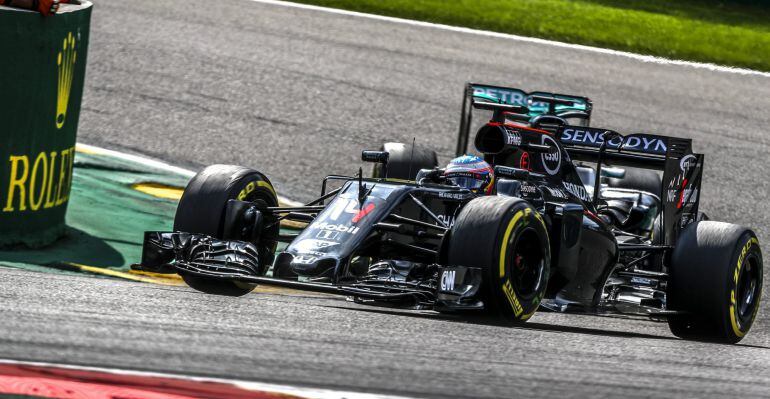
(310, 393)
(639, 57)
(135, 158)
(153, 163)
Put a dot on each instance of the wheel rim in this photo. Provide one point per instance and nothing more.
(747, 290)
(526, 264)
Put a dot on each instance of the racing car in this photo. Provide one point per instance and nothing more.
(543, 236)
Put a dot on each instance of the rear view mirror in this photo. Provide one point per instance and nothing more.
(375, 156)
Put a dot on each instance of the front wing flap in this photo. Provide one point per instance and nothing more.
(457, 287)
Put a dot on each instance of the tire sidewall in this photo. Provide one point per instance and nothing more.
(509, 301)
(745, 248)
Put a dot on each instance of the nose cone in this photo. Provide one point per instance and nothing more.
(309, 265)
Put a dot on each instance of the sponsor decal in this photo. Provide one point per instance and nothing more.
(577, 190)
(448, 280)
(687, 162)
(334, 227)
(454, 196)
(686, 196)
(524, 161)
(327, 235)
(593, 138)
(304, 259)
(65, 62)
(312, 245)
(512, 298)
(448, 220)
(552, 160)
(346, 205)
(363, 212)
(314, 253)
(555, 192)
(463, 173)
(679, 193)
(506, 96)
(252, 186)
(43, 180)
(528, 189)
(512, 137)
(40, 183)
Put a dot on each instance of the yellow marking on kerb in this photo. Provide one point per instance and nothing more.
(119, 274)
(293, 224)
(90, 151)
(159, 190)
(161, 276)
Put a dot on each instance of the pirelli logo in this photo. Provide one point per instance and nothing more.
(512, 299)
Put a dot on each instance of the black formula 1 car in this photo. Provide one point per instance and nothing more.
(555, 235)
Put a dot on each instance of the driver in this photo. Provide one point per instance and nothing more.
(471, 172)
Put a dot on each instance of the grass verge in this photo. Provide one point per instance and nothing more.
(734, 34)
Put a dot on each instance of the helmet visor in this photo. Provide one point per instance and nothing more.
(467, 182)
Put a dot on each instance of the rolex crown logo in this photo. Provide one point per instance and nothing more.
(66, 69)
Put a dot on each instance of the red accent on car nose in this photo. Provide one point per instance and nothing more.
(363, 212)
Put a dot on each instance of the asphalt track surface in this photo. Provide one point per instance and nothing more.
(297, 94)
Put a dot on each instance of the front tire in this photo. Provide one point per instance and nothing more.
(202, 210)
(716, 278)
(508, 240)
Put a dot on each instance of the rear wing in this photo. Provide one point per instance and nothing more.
(682, 169)
(526, 106)
(538, 102)
(638, 150)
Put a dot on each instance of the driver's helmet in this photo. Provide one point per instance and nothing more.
(471, 172)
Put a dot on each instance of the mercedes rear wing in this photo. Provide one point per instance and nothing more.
(519, 105)
(538, 102)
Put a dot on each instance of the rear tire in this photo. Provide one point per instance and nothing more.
(202, 210)
(508, 240)
(402, 164)
(716, 277)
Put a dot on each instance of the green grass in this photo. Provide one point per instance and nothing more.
(734, 34)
